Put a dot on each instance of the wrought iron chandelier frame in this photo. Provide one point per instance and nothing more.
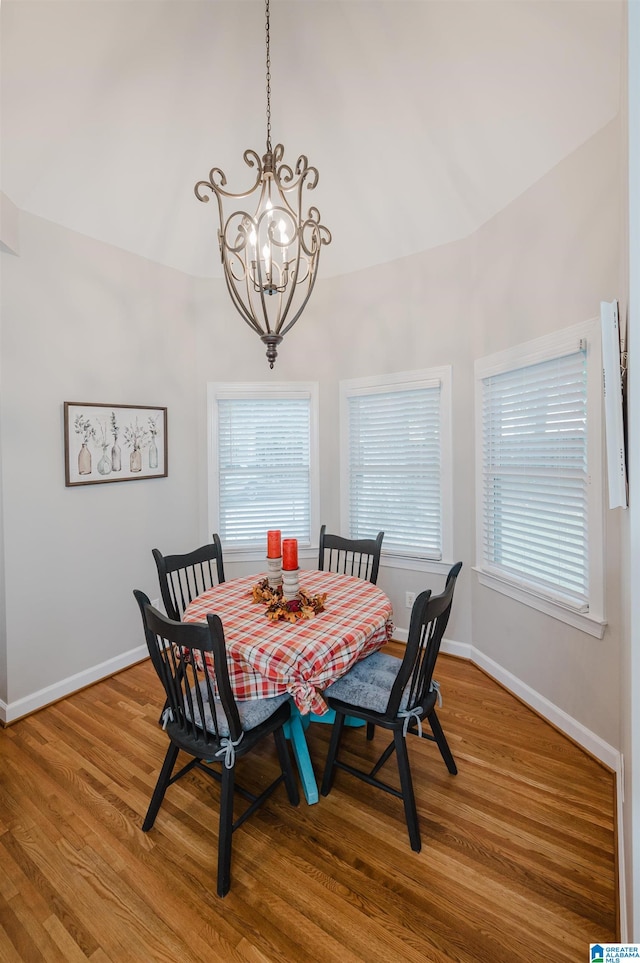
(270, 257)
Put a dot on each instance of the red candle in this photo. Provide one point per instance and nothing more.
(290, 554)
(273, 544)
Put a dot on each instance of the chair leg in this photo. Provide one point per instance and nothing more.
(287, 768)
(370, 730)
(161, 787)
(336, 733)
(408, 798)
(443, 745)
(225, 831)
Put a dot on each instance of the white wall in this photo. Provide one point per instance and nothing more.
(3, 620)
(630, 682)
(543, 263)
(85, 322)
(9, 245)
(408, 314)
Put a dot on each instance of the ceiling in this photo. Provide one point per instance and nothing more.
(424, 118)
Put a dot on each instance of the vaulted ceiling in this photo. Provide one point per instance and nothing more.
(424, 118)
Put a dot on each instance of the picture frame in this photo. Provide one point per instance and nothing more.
(113, 443)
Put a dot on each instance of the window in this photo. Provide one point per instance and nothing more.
(396, 462)
(263, 463)
(539, 494)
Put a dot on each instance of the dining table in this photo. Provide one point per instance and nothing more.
(270, 656)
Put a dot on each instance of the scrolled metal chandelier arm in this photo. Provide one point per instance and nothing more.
(217, 179)
(269, 257)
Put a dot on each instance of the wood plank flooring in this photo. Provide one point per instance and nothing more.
(517, 861)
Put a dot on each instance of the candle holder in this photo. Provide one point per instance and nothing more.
(275, 572)
(290, 584)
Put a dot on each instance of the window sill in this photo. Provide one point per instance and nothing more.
(414, 564)
(259, 555)
(579, 620)
(310, 555)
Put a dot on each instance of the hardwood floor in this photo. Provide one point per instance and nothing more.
(517, 864)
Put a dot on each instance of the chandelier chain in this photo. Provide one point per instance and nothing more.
(268, 78)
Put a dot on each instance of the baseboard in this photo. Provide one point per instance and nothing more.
(622, 876)
(10, 712)
(566, 724)
(593, 744)
(462, 650)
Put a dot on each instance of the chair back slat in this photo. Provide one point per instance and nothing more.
(222, 679)
(191, 662)
(429, 618)
(350, 556)
(183, 577)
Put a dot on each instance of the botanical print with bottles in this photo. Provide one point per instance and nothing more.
(114, 442)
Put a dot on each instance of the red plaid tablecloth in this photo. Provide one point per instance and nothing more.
(267, 658)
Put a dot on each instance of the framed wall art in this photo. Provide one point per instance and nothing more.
(110, 443)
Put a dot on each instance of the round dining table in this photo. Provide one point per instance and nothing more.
(267, 657)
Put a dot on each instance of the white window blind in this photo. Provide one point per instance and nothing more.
(535, 477)
(264, 468)
(394, 452)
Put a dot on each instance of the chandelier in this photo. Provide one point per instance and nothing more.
(270, 250)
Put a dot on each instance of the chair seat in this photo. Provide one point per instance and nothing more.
(368, 683)
(253, 712)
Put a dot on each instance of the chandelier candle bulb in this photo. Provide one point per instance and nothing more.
(274, 544)
(290, 554)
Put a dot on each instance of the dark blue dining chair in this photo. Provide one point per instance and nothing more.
(397, 695)
(359, 557)
(203, 720)
(183, 577)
